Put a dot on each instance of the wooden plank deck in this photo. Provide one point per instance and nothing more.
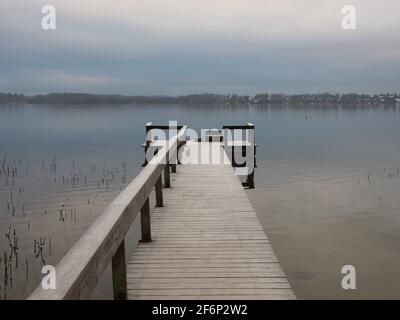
(207, 243)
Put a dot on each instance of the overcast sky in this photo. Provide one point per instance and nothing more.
(187, 46)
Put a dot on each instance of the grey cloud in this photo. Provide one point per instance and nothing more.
(180, 46)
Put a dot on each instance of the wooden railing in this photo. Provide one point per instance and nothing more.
(78, 273)
(247, 145)
(149, 127)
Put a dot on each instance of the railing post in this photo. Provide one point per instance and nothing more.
(252, 149)
(119, 273)
(167, 180)
(148, 141)
(145, 221)
(159, 194)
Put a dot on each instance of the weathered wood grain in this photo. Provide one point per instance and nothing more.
(207, 243)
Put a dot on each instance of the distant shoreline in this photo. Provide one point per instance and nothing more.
(203, 99)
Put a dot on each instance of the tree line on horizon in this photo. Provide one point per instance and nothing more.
(203, 99)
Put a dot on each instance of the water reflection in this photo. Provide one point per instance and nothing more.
(327, 185)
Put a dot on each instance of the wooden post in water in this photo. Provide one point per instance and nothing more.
(159, 195)
(145, 221)
(119, 273)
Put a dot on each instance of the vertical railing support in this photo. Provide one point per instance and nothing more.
(145, 221)
(118, 264)
(167, 180)
(252, 149)
(148, 141)
(159, 193)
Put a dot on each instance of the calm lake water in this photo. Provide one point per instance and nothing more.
(327, 187)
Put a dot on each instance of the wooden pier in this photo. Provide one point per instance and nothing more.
(203, 240)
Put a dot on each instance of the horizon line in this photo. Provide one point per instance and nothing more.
(202, 93)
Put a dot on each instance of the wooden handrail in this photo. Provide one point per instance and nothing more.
(149, 126)
(79, 271)
(238, 127)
